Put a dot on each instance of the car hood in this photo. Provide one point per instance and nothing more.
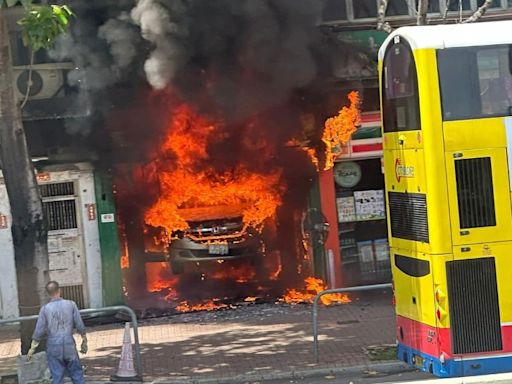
(218, 212)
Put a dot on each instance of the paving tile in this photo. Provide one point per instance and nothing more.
(234, 346)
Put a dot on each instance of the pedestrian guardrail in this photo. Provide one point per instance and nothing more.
(104, 310)
(360, 288)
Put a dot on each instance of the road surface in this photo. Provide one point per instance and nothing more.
(359, 379)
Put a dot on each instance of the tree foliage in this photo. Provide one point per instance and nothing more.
(41, 24)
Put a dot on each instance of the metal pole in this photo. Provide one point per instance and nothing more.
(360, 288)
(117, 308)
(315, 326)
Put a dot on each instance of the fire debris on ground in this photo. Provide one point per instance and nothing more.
(312, 286)
(237, 311)
(266, 308)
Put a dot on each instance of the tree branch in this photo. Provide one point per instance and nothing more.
(422, 12)
(479, 12)
(445, 14)
(382, 24)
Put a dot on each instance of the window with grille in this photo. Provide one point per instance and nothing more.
(60, 214)
(75, 293)
(57, 189)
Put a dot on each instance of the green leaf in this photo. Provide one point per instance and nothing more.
(68, 11)
(42, 25)
(11, 3)
(63, 19)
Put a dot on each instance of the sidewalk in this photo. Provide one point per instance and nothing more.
(252, 340)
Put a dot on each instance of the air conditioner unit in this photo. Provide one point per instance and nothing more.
(47, 80)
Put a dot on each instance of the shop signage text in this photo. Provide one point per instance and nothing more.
(403, 170)
(347, 174)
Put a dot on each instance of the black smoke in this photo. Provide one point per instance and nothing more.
(241, 56)
(247, 63)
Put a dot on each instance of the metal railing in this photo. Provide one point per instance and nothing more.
(104, 310)
(360, 288)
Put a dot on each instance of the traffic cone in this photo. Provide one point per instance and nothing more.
(126, 371)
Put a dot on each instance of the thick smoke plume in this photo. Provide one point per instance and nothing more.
(101, 55)
(244, 63)
(237, 56)
(164, 33)
(245, 55)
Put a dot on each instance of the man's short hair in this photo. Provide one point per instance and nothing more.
(52, 288)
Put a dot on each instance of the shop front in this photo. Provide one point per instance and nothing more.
(353, 202)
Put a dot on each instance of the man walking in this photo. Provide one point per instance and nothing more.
(58, 319)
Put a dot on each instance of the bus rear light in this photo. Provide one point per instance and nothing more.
(440, 296)
(441, 314)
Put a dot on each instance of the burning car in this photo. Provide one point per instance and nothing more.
(215, 235)
(206, 213)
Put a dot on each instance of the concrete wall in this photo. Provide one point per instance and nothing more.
(91, 240)
(8, 282)
(83, 176)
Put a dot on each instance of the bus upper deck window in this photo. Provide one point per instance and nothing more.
(400, 84)
(476, 82)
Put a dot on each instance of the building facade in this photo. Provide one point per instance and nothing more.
(76, 193)
(351, 194)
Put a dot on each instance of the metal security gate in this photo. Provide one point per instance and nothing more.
(65, 240)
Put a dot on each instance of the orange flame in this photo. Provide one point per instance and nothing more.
(250, 299)
(312, 156)
(313, 287)
(241, 274)
(275, 275)
(192, 190)
(125, 259)
(340, 128)
(211, 305)
(159, 278)
(304, 146)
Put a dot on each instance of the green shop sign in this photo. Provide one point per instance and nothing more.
(369, 41)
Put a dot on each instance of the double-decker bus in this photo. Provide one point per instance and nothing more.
(446, 95)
